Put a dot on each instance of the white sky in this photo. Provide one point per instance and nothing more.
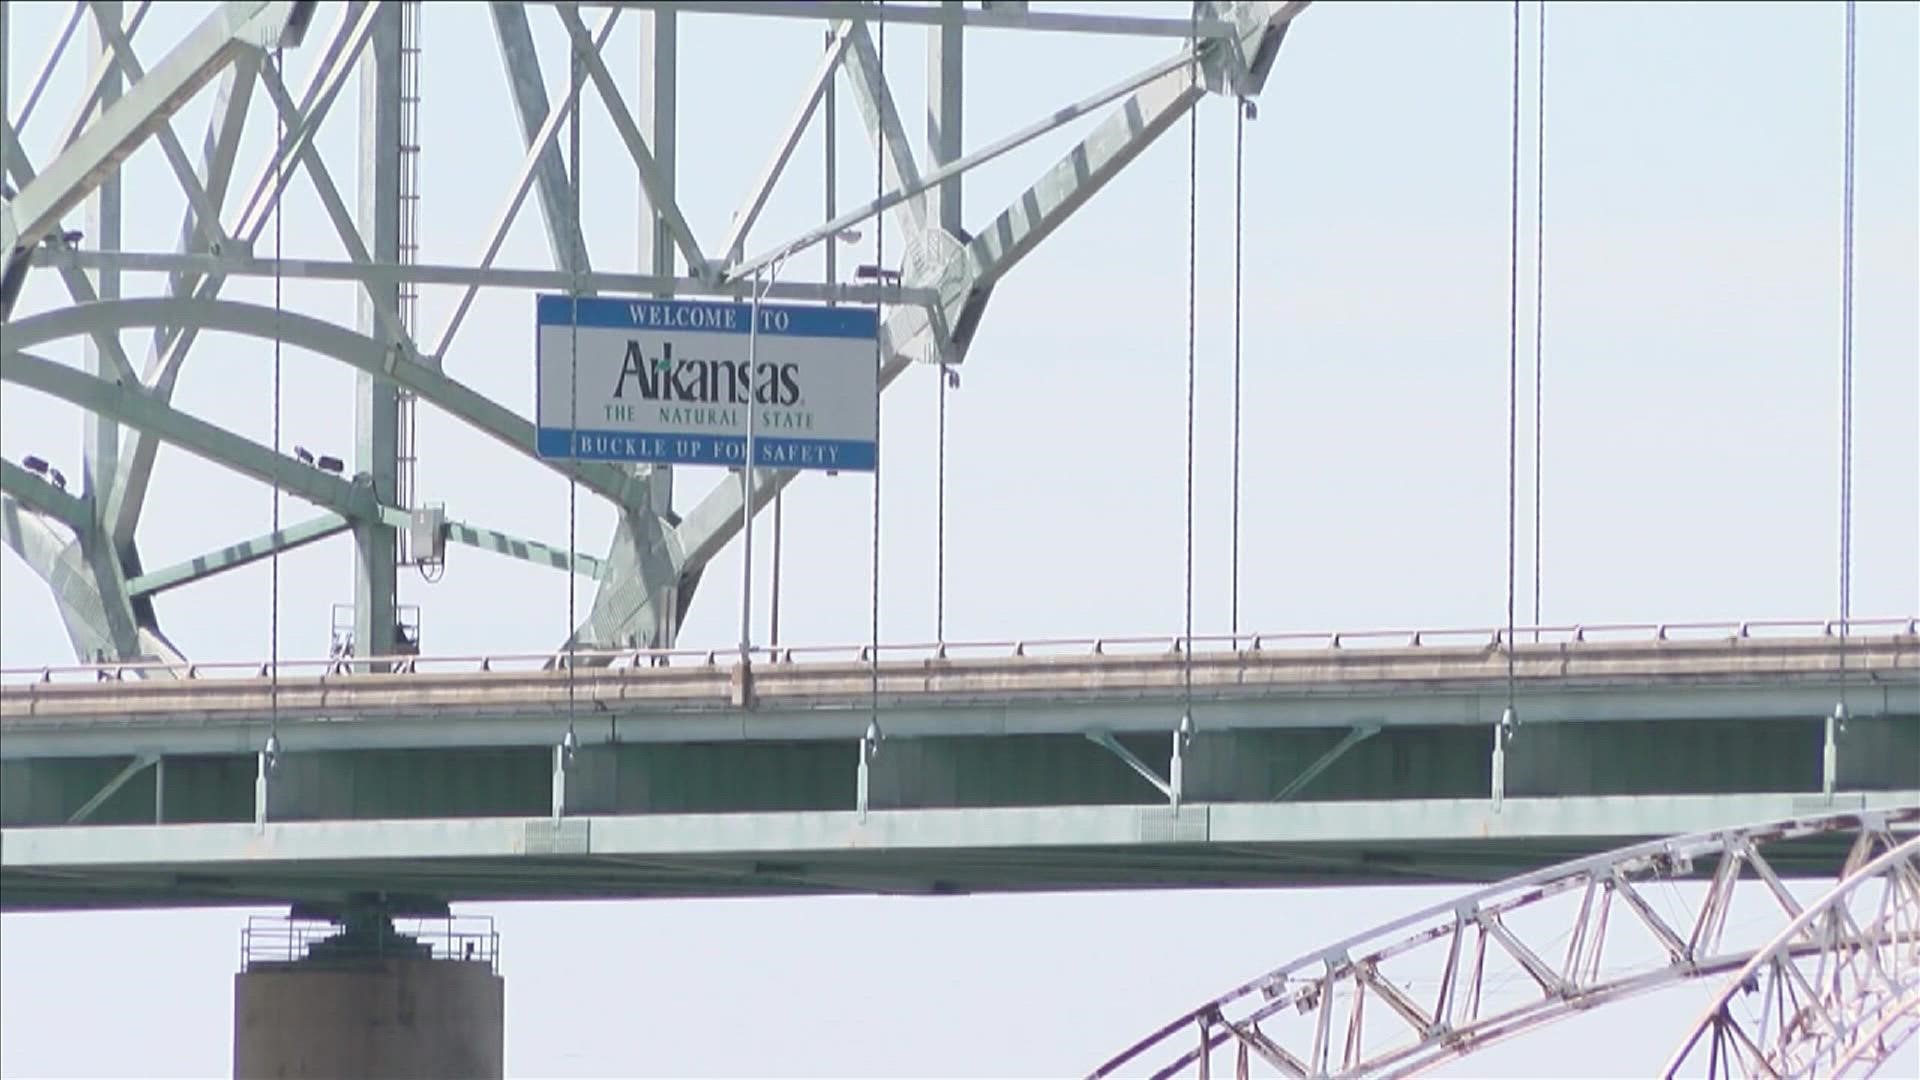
(1690, 434)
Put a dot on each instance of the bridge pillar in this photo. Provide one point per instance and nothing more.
(349, 996)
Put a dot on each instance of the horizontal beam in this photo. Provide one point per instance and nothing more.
(493, 277)
(234, 556)
(963, 850)
(444, 705)
(974, 18)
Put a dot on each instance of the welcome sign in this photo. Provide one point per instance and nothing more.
(667, 381)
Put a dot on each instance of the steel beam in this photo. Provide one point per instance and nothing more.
(1354, 737)
(946, 79)
(196, 436)
(110, 37)
(42, 497)
(79, 286)
(100, 442)
(107, 790)
(77, 170)
(491, 277)
(537, 148)
(532, 551)
(921, 15)
(874, 97)
(653, 173)
(100, 622)
(522, 64)
(376, 403)
(234, 556)
(324, 339)
(171, 343)
(982, 849)
(817, 85)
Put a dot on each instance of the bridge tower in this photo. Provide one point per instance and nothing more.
(347, 993)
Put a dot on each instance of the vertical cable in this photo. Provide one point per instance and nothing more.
(1513, 355)
(273, 630)
(1846, 362)
(1193, 264)
(940, 519)
(1239, 185)
(573, 388)
(879, 363)
(1539, 285)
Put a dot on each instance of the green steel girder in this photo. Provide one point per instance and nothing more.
(42, 497)
(137, 409)
(325, 339)
(234, 556)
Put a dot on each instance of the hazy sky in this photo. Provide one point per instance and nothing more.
(1690, 465)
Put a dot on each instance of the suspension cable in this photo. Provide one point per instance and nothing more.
(1539, 284)
(1513, 355)
(879, 363)
(573, 399)
(1239, 232)
(273, 630)
(1193, 217)
(1846, 364)
(940, 518)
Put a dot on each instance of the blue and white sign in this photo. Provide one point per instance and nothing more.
(665, 381)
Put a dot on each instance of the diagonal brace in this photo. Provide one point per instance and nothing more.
(107, 790)
(234, 556)
(1354, 737)
(1105, 739)
(659, 194)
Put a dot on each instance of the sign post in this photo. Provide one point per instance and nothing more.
(669, 382)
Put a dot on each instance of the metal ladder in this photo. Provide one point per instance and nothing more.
(408, 296)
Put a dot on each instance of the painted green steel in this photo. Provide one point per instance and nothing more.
(1002, 849)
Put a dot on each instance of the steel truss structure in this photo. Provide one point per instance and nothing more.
(84, 544)
(1307, 1017)
(1837, 992)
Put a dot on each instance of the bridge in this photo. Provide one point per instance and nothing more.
(643, 752)
(1357, 757)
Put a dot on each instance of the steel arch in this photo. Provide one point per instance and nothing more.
(1843, 990)
(1308, 995)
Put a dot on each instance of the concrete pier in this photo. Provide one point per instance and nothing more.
(368, 1004)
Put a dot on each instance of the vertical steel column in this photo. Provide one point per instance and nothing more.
(945, 77)
(376, 406)
(102, 446)
(656, 108)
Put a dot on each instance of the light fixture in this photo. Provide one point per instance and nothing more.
(35, 464)
(329, 463)
(870, 272)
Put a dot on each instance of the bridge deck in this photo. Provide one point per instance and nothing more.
(998, 773)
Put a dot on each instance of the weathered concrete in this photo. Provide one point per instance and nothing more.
(1751, 678)
(408, 1019)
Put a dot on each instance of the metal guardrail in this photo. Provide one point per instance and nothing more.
(1459, 637)
(270, 940)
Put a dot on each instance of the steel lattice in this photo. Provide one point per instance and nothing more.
(1836, 993)
(1308, 1017)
